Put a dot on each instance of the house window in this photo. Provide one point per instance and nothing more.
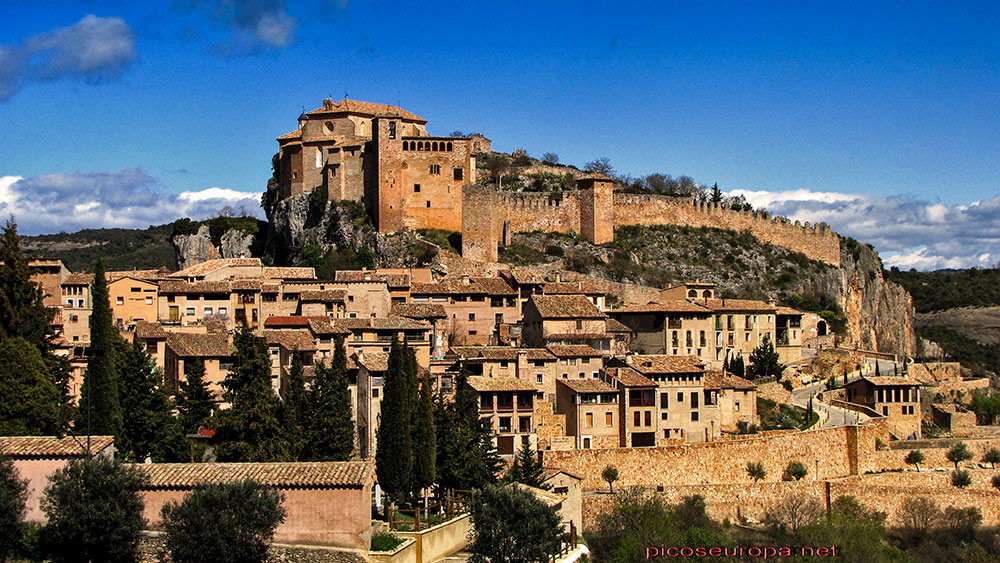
(459, 173)
(565, 376)
(680, 397)
(694, 400)
(694, 416)
(435, 169)
(428, 203)
(579, 325)
(649, 418)
(416, 187)
(223, 310)
(472, 316)
(375, 393)
(505, 424)
(524, 424)
(885, 411)
(635, 418)
(539, 378)
(149, 300)
(609, 419)
(189, 311)
(736, 406)
(664, 400)
(392, 129)
(590, 419)
(208, 310)
(664, 416)
(119, 300)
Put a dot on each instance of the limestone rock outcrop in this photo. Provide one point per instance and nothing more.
(199, 247)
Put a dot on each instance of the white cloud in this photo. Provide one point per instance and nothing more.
(50, 203)
(908, 232)
(254, 22)
(93, 49)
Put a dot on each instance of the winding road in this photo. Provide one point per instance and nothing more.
(836, 416)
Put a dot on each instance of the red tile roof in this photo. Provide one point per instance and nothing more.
(752, 305)
(50, 447)
(483, 383)
(502, 353)
(288, 273)
(574, 351)
(573, 288)
(146, 330)
(665, 306)
(419, 310)
(296, 475)
(587, 385)
(565, 307)
(183, 287)
(393, 280)
(718, 380)
(614, 326)
(78, 279)
(372, 361)
(368, 109)
(290, 340)
(187, 345)
(324, 326)
(662, 363)
(324, 295)
(890, 380)
(286, 321)
(629, 377)
(209, 266)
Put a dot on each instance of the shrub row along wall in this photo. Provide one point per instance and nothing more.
(885, 492)
(935, 452)
(835, 452)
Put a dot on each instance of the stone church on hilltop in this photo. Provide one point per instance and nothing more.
(381, 156)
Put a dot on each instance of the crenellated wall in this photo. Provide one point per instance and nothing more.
(594, 211)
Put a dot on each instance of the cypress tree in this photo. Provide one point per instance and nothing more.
(295, 408)
(29, 399)
(764, 361)
(250, 429)
(332, 431)
(737, 367)
(22, 311)
(195, 402)
(99, 392)
(725, 364)
(394, 451)
(149, 428)
(467, 458)
(527, 469)
(425, 437)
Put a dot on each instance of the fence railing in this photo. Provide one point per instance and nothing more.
(435, 512)
(567, 543)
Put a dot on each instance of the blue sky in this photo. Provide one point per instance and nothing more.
(882, 119)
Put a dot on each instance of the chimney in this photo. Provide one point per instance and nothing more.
(628, 358)
(465, 279)
(579, 285)
(558, 277)
(522, 364)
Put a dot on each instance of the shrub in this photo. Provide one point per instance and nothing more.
(610, 474)
(385, 541)
(992, 457)
(914, 458)
(94, 511)
(961, 478)
(995, 481)
(756, 471)
(554, 250)
(793, 512)
(510, 524)
(795, 471)
(223, 522)
(13, 499)
(918, 516)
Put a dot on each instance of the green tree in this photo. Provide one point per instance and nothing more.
(995, 481)
(715, 196)
(511, 525)
(858, 533)
(756, 471)
(149, 428)
(610, 474)
(466, 456)
(527, 469)
(226, 523)
(312, 254)
(94, 511)
(13, 507)
(250, 429)
(600, 166)
(394, 451)
(992, 457)
(295, 408)
(22, 311)
(958, 453)
(100, 408)
(425, 437)
(737, 367)
(550, 158)
(332, 436)
(194, 403)
(914, 458)
(30, 403)
(961, 478)
(764, 361)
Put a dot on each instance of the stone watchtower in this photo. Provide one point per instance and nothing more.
(387, 183)
(597, 216)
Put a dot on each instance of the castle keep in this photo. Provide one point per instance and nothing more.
(382, 156)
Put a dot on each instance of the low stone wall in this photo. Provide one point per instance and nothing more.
(885, 492)
(934, 453)
(442, 540)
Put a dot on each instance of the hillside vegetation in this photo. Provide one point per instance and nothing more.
(121, 249)
(947, 289)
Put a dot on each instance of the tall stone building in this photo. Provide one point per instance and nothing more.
(381, 156)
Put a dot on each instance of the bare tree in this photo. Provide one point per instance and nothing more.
(601, 166)
(918, 515)
(793, 512)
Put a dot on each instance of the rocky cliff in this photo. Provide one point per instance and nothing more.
(198, 247)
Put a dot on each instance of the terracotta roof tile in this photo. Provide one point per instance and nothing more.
(383, 323)
(209, 266)
(288, 273)
(245, 284)
(526, 277)
(662, 363)
(548, 497)
(324, 295)
(614, 326)
(890, 380)
(187, 345)
(373, 361)
(738, 305)
(629, 377)
(448, 286)
(325, 326)
(574, 351)
(483, 383)
(504, 353)
(147, 330)
(715, 379)
(78, 279)
(369, 109)
(290, 340)
(297, 134)
(419, 310)
(183, 287)
(298, 475)
(565, 307)
(291, 321)
(49, 447)
(588, 385)
(495, 286)
(573, 288)
(665, 306)
(782, 310)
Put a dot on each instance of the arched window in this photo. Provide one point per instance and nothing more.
(688, 340)
(449, 146)
(706, 294)
(673, 338)
(702, 338)
(434, 146)
(406, 145)
(692, 293)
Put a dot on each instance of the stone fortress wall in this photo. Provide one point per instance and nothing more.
(490, 217)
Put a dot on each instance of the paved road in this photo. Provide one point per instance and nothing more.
(837, 416)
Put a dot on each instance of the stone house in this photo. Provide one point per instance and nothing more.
(323, 302)
(132, 300)
(673, 327)
(592, 412)
(894, 397)
(564, 319)
(691, 290)
(531, 365)
(77, 307)
(508, 404)
(525, 282)
(282, 345)
(638, 424)
(214, 350)
(736, 400)
(592, 291)
(375, 334)
(740, 325)
(371, 368)
(432, 313)
(50, 273)
(571, 487)
(788, 334)
(397, 280)
(476, 307)
(192, 303)
(577, 361)
(36, 458)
